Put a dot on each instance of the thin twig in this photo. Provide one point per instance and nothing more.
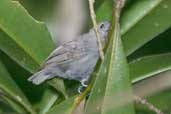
(149, 105)
(93, 18)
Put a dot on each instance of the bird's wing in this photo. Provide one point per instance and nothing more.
(66, 53)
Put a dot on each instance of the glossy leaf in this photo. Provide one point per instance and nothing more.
(10, 88)
(154, 14)
(58, 84)
(105, 7)
(95, 100)
(66, 107)
(24, 39)
(20, 75)
(48, 101)
(149, 66)
(14, 105)
(5, 106)
(136, 20)
(28, 44)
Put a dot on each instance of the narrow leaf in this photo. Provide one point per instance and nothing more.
(118, 97)
(148, 66)
(48, 100)
(144, 14)
(66, 107)
(10, 88)
(24, 39)
(137, 19)
(14, 105)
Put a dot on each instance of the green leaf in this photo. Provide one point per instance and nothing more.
(10, 88)
(95, 100)
(141, 16)
(149, 66)
(29, 43)
(58, 84)
(4, 106)
(16, 53)
(104, 12)
(14, 105)
(137, 19)
(48, 101)
(24, 39)
(66, 107)
(20, 75)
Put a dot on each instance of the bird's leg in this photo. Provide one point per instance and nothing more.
(84, 84)
(80, 89)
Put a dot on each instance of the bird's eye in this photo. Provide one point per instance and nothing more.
(102, 26)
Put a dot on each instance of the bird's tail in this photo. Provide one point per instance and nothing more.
(40, 77)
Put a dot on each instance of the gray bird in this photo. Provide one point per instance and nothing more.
(74, 60)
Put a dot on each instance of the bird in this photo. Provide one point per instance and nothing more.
(73, 60)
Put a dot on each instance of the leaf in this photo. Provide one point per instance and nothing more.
(111, 92)
(28, 44)
(58, 84)
(48, 100)
(20, 75)
(24, 39)
(94, 102)
(144, 14)
(14, 105)
(104, 12)
(66, 107)
(137, 19)
(4, 106)
(149, 66)
(10, 88)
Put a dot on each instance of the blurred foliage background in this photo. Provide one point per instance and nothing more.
(25, 43)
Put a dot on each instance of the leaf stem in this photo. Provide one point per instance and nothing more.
(149, 105)
(93, 18)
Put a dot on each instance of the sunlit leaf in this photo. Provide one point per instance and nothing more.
(24, 39)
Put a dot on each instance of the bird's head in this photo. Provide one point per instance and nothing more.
(103, 28)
